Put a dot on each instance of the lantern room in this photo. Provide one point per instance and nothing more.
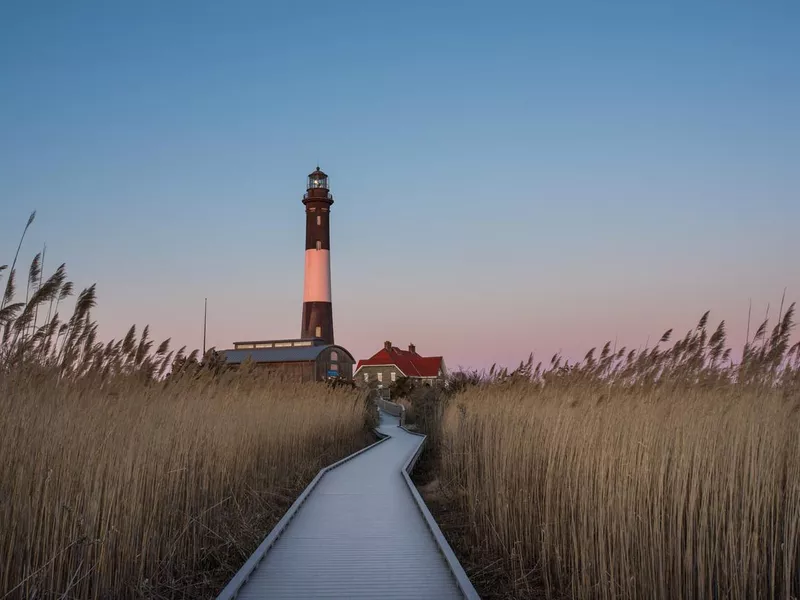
(318, 180)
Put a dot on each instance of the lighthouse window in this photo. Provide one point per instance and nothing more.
(319, 219)
(319, 245)
(319, 331)
(320, 181)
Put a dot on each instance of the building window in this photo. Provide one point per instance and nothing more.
(319, 219)
(319, 245)
(366, 376)
(334, 355)
(319, 331)
(394, 376)
(380, 376)
(334, 367)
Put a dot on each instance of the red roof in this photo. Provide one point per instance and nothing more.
(410, 363)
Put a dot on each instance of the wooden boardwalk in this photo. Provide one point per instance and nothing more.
(360, 530)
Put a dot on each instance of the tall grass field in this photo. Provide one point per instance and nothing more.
(131, 471)
(667, 473)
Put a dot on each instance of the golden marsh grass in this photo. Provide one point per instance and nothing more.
(128, 470)
(669, 475)
(136, 490)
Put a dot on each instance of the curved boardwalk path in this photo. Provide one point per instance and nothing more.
(361, 531)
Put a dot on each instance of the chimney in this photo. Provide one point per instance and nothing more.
(412, 348)
(387, 346)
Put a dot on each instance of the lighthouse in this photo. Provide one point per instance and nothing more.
(317, 307)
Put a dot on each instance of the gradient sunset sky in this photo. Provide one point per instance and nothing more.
(509, 177)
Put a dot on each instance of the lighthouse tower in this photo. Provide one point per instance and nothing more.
(317, 307)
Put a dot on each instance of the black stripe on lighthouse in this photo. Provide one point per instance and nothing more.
(318, 231)
(318, 321)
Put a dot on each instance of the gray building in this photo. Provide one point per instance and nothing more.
(301, 359)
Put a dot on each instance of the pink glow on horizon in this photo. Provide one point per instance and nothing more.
(461, 349)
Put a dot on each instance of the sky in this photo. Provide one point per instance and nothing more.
(508, 177)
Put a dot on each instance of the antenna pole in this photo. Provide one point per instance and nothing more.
(205, 318)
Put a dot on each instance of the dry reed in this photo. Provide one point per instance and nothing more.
(672, 474)
(128, 471)
(137, 489)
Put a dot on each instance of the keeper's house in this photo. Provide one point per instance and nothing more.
(389, 363)
(304, 359)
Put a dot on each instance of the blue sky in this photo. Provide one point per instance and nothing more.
(509, 177)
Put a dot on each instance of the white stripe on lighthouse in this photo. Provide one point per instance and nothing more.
(317, 286)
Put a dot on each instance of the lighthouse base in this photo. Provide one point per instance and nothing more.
(317, 321)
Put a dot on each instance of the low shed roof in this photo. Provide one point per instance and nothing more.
(277, 355)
